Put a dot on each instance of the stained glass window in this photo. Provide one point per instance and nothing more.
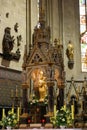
(83, 34)
(38, 7)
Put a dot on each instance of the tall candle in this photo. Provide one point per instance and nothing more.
(64, 107)
(54, 110)
(3, 113)
(18, 113)
(72, 110)
(12, 109)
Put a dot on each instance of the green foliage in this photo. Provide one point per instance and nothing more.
(63, 117)
(9, 120)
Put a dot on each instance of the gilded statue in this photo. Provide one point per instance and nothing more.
(42, 88)
(70, 51)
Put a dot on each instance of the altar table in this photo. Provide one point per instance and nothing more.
(53, 129)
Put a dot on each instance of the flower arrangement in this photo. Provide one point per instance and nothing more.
(63, 117)
(9, 120)
(35, 101)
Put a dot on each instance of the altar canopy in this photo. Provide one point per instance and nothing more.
(44, 68)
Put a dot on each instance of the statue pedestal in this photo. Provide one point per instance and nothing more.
(24, 118)
(47, 116)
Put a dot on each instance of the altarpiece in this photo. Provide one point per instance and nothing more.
(44, 69)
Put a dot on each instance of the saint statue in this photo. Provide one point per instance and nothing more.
(70, 51)
(8, 41)
(42, 88)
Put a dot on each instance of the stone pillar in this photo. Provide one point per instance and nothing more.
(25, 99)
(61, 97)
(24, 117)
(50, 85)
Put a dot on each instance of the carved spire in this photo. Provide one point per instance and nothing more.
(41, 15)
(41, 32)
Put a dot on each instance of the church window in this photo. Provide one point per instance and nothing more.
(38, 8)
(83, 33)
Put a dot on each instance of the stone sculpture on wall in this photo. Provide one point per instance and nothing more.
(70, 55)
(8, 41)
(8, 45)
(16, 27)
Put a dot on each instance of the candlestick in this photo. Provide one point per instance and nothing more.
(16, 92)
(68, 97)
(12, 93)
(20, 107)
(81, 105)
(78, 89)
(21, 94)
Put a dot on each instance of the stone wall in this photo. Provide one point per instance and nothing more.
(65, 25)
(71, 33)
(11, 13)
(9, 79)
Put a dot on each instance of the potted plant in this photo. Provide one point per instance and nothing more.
(63, 118)
(10, 120)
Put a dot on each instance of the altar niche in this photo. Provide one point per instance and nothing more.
(42, 95)
(38, 85)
